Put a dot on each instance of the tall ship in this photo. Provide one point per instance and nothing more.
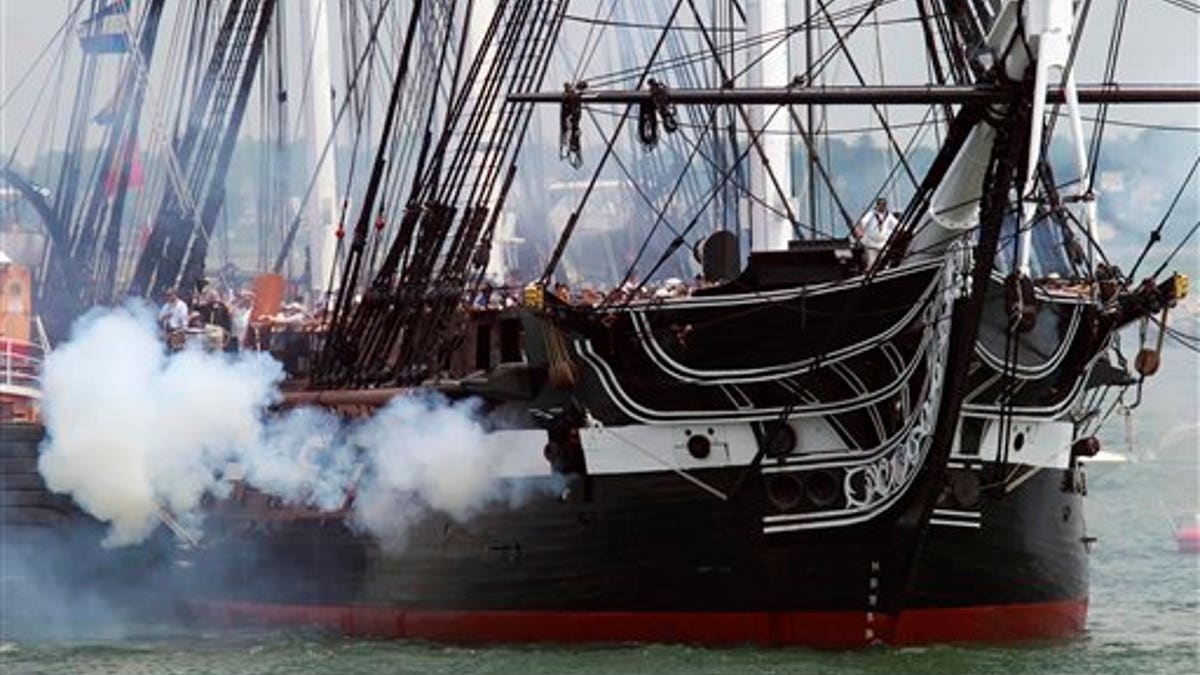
(22, 348)
(863, 431)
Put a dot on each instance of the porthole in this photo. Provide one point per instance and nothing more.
(784, 491)
(821, 488)
(699, 446)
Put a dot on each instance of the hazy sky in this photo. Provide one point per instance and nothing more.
(1161, 44)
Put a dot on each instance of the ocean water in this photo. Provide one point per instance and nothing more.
(1144, 615)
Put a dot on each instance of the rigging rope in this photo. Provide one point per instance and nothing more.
(1186, 5)
(58, 61)
(42, 54)
(1176, 250)
(573, 219)
(1156, 233)
(776, 37)
(1110, 68)
(587, 55)
(285, 248)
(845, 48)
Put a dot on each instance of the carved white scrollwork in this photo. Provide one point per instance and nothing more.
(871, 486)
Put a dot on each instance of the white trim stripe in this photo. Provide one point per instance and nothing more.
(953, 512)
(956, 523)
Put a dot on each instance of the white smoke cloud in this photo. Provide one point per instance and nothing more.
(302, 457)
(131, 431)
(443, 461)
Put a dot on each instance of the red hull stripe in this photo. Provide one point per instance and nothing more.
(837, 630)
(992, 623)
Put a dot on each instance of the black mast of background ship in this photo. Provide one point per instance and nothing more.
(1008, 156)
(177, 245)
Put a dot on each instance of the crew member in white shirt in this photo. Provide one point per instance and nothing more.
(874, 230)
(173, 316)
(242, 307)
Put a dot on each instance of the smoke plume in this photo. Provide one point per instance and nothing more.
(132, 431)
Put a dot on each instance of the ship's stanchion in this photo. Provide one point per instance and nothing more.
(561, 368)
(1148, 360)
(185, 537)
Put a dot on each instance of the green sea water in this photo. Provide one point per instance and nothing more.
(1144, 616)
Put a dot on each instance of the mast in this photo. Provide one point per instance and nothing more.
(321, 209)
(769, 227)
(1049, 26)
(810, 120)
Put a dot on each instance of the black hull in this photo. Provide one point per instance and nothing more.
(58, 580)
(25, 503)
(650, 554)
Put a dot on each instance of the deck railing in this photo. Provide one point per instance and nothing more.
(21, 361)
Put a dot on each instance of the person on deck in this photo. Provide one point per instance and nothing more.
(291, 315)
(173, 315)
(240, 318)
(214, 312)
(216, 320)
(874, 230)
(173, 319)
(289, 342)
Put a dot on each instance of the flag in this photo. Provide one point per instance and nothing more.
(112, 177)
(114, 7)
(107, 43)
(103, 35)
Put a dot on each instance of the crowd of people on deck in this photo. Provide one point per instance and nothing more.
(872, 234)
(226, 322)
(499, 297)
